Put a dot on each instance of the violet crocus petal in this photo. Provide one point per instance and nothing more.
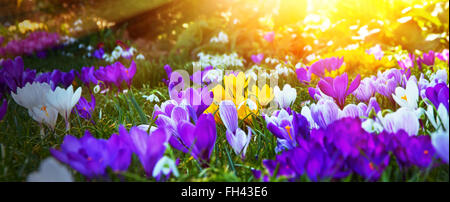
(340, 88)
(326, 88)
(206, 135)
(354, 85)
(228, 114)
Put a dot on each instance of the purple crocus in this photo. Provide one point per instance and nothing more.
(413, 150)
(198, 100)
(427, 59)
(257, 58)
(14, 75)
(438, 94)
(443, 56)
(168, 70)
(85, 108)
(148, 148)
(338, 88)
(87, 155)
(199, 76)
(408, 62)
(128, 73)
(199, 139)
(303, 75)
(289, 129)
(99, 53)
(3, 108)
(86, 75)
(110, 75)
(365, 90)
(236, 137)
(67, 78)
(269, 36)
(330, 64)
(120, 153)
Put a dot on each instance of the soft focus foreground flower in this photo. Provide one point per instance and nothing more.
(407, 97)
(149, 148)
(198, 139)
(338, 88)
(87, 155)
(286, 97)
(50, 170)
(237, 138)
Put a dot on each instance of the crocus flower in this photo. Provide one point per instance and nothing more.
(407, 97)
(87, 155)
(438, 94)
(50, 170)
(287, 128)
(85, 108)
(237, 138)
(337, 88)
(262, 96)
(365, 90)
(402, 119)
(86, 75)
(303, 75)
(286, 97)
(3, 108)
(328, 64)
(99, 53)
(407, 62)
(67, 78)
(269, 36)
(376, 51)
(31, 97)
(427, 59)
(440, 143)
(257, 58)
(198, 100)
(14, 75)
(199, 139)
(443, 56)
(128, 73)
(63, 100)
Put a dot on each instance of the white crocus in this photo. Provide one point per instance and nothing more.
(30, 97)
(403, 119)
(51, 170)
(407, 97)
(63, 100)
(440, 138)
(165, 166)
(44, 114)
(285, 97)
